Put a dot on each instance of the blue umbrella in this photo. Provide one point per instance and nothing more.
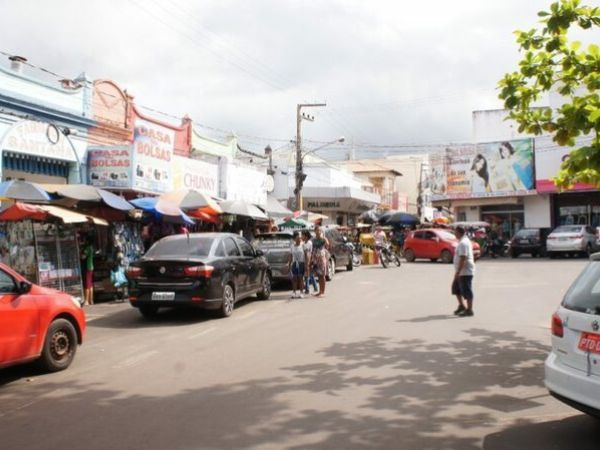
(23, 190)
(165, 212)
(398, 218)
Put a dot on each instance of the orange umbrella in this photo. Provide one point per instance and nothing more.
(23, 211)
(441, 220)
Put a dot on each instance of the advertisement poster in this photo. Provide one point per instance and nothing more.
(152, 157)
(194, 174)
(110, 167)
(247, 184)
(548, 158)
(436, 176)
(458, 171)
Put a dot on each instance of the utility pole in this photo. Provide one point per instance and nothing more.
(300, 176)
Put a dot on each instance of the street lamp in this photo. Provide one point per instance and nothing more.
(301, 176)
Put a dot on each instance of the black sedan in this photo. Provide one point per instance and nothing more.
(208, 270)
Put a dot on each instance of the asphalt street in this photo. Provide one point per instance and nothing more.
(381, 363)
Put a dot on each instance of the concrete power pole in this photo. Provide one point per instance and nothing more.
(300, 176)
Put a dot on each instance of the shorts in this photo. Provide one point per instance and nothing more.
(89, 279)
(298, 269)
(463, 286)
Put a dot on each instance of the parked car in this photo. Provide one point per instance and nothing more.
(572, 369)
(206, 270)
(528, 240)
(37, 323)
(276, 247)
(340, 254)
(571, 239)
(434, 244)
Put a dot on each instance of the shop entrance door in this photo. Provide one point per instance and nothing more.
(505, 219)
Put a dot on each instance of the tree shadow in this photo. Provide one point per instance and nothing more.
(375, 393)
(431, 318)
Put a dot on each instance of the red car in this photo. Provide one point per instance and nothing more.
(434, 244)
(37, 323)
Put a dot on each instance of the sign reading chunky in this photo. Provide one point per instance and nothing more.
(152, 155)
(492, 169)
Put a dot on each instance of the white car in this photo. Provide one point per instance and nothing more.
(572, 369)
(571, 239)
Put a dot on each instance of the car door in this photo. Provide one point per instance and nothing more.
(431, 245)
(234, 258)
(418, 244)
(337, 248)
(19, 322)
(251, 264)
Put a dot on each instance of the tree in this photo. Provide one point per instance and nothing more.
(551, 62)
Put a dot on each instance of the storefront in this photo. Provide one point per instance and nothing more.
(38, 152)
(577, 208)
(343, 205)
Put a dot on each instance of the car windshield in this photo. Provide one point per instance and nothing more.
(274, 241)
(526, 233)
(568, 229)
(447, 236)
(192, 247)
(584, 294)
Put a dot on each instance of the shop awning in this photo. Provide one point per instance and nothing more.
(24, 211)
(23, 190)
(163, 211)
(275, 209)
(188, 199)
(85, 193)
(241, 208)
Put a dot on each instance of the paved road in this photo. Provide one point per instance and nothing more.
(380, 363)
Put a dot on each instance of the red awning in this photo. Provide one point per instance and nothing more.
(22, 211)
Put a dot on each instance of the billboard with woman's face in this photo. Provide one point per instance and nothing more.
(493, 169)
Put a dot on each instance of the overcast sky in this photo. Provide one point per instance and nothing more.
(391, 72)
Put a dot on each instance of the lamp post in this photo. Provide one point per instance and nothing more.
(300, 175)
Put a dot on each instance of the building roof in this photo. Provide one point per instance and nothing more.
(368, 166)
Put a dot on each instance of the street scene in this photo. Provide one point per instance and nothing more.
(300, 225)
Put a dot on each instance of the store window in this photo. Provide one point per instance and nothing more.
(506, 220)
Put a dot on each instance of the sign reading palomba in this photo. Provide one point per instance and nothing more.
(493, 169)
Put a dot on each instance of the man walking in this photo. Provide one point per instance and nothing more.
(464, 269)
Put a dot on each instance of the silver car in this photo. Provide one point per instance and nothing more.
(580, 239)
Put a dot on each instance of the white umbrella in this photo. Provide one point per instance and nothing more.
(241, 208)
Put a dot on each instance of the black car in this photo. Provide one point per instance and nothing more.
(277, 250)
(206, 270)
(340, 252)
(529, 240)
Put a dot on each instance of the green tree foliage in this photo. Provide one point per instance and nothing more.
(552, 62)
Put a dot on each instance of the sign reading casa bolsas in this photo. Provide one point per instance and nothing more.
(110, 166)
(152, 155)
(329, 204)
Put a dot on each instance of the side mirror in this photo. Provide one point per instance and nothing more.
(24, 287)
(258, 252)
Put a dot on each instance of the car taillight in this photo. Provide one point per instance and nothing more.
(199, 271)
(134, 272)
(577, 236)
(557, 326)
(551, 238)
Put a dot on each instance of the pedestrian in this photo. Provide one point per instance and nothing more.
(88, 257)
(464, 269)
(319, 258)
(297, 265)
(309, 278)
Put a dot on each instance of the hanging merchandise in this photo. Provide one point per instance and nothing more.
(127, 242)
(17, 247)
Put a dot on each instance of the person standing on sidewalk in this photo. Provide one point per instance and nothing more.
(309, 277)
(464, 269)
(297, 265)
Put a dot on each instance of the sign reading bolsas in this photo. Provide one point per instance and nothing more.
(110, 166)
(152, 156)
(38, 139)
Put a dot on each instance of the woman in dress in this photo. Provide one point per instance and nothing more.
(319, 258)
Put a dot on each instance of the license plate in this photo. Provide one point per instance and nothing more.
(589, 342)
(563, 239)
(524, 241)
(161, 296)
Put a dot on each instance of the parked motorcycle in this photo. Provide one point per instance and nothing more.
(356, 250)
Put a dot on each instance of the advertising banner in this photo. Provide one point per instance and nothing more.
(195, 174)
(247, 184)
(110, 167)
(38, 139)
(152, 157)
(494, 169)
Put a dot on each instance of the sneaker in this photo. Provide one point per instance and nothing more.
(300, 296)
(466, 313)
(458, 310)
(294, 295)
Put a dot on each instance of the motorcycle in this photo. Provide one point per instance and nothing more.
(387, 255)
(356, 251)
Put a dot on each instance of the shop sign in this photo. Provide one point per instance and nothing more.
(246, 184)
(195, 174)
(152, 157)
(327, 204)
(495, 169)
(110, 166)
(38, 139)
(548, 158)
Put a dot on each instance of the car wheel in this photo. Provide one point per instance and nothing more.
(350, 266)
(552, 255)
(149, 312)
(409, 255)
(330, 269)
(60, 346)
(446, 257)
(514, 253)
(265, 292)
(433, 259)
(228, 302)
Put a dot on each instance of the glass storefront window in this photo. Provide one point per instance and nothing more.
(505, 221)
(573, 215)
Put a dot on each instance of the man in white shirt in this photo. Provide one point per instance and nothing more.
(464, 269)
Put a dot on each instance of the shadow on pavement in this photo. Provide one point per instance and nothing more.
(578, 432)
(375, 393)
(431, 318)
